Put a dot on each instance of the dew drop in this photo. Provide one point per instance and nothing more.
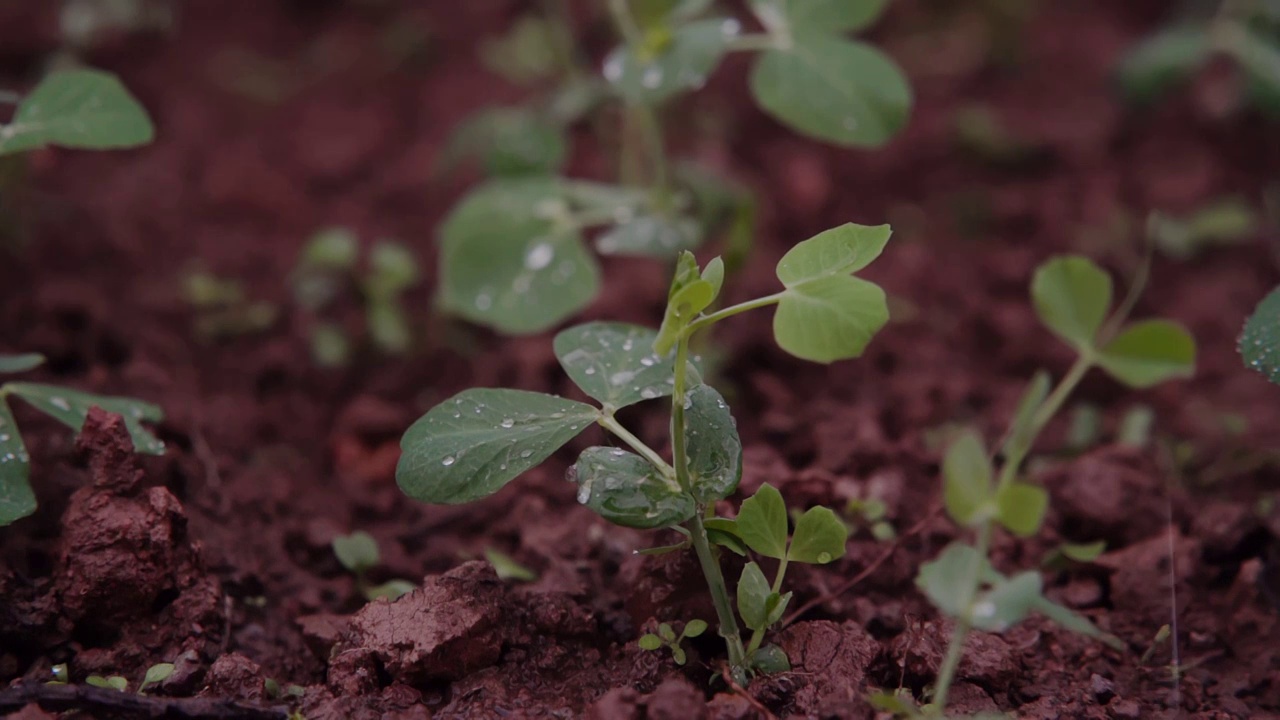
(850, 123)
(484, 301)
(613, 68)
(652, 77)
(824, 557)
(526, 454)
(730, 27)
(590, 371)
(60, 403)
(508, 422)
(449, 460)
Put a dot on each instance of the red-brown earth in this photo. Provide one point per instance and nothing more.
(217, 556)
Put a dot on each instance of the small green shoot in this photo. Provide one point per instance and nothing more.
(155, 675)
(1067, 553)
(222, 307)
(1162, 636)
(1223, 223)
(869, 513)
(666, 637)
(67, 406)
(115, 682)
(58, 674)
(507, 568)
(475, 443)
(81, 109)
(358, 552)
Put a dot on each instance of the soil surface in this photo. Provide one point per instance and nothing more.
(276, 118)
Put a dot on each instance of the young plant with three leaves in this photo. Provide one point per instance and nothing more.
(1072, 297)
(473, 444)
(666, 637)
(67, 406)
(514, 252)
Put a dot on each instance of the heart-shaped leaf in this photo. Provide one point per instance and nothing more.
(762, 522)
(507, 262)
(627, 490)
(1150, 352)
(20, 363)
(1260, 341)
(474, 443)
(86, 109)
(614, 363)
(16, 498)
(819, 538)
(966, 476)
(713, 446)
(70, 407)
(1072, 296)
(865, 98)
(1021, 508)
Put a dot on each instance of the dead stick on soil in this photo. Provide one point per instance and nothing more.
(866, 572)
(742, 692)
(113, 703)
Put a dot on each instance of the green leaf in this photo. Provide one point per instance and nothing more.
(770, 660)
(393, 269)
(649, 641)
(335, 249)
(390, 590)
(713, 275)
(762, 522)
(819, 538)
(666, 633)
(1150, 352)
(114, 682)
(474, 443)
(825, 315)
(810, 17)
(653, 236)
(508, 260)
(357, 552)
(1083, 552)
(20, 363)
(16, 498)
(1022, 508)
(713, 446)
(507, 568)
(966, 477)
(70, 407)
(614, 363)
(694, 628)
(1007, 603)
(157, 673)
(774, 606)
(509, 142)
(628, 490)
(329, 345)
(86, 109)
(724, 532)
(843, 92)
(388, 325)
(1162, 61)
(1076, 623)
(1259, 344)
(691, 54)
(664, 549)
(1021, 431)
(944, 579)
(1259, 56)
(753, 594)
(677, 654)
(1072, 296)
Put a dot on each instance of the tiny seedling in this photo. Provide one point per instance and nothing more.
(358, 552)
(514, 252)
(67, 406)
(507, 568)
(329, 265)
(473, 444)
(222, 307)
(666, 637)
(275, 691)
(1072, 297)
(155, 675)
(869, 513)
(1068, 553)
(1223, 223)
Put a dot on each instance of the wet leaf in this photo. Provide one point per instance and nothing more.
(509, 142)
(1162, 61)
(1150, 352)
(770, 659)
(114, 682)
(666, 633)
(724, 532)
(713, 274)
(1072, 296)
(614, 363)
(16, 497)
(692, 52)
(70, 407)
(762, 522)
(826, 315)
(20, 363)
(966, 477)
(651, 235)
(474, 443)
(507, 568)
(1260, 342)
(865, 98)
(329, 345)
(819, 538)
(86, 109)
(357, 552)
(713, 446)
(506, 261)
(689, 295)
(628, 490)
(1021, 508)
(753, 596)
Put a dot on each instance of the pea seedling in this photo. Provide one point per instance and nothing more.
(666, 637)
(1072, 297)
(358, 552)
(513, 252)
(68, 407)
(476, 442)
(155, 674)
(328, 264)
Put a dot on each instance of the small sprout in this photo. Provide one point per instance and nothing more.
(59, 674)
(156, 674)
(507, 568)
(222, 307)
(667, 637)
(1162, 636)
(114, 682)
(1067, 553)
(1223, 223)
(1135, 427)
(358, 552)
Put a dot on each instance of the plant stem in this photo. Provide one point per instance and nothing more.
(728, 622)
(651, 127)
(732, 310)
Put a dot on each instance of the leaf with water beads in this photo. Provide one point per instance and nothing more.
(474, 443)
(628, 490)
(714, 448)
(70, 407)
(667, 66)
(614, 363)
(651, 235)
(1260, 342)
(16, 498)
(819, 538)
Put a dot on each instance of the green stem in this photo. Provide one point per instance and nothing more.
(651, 127)
(610, 423)
(732, 310)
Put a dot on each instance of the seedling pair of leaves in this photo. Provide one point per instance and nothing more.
(67, 406)
(155, 675)
(223, 308)
(666, 637)
(1248, 34)
(1072, 298)
(358, 552)
(474, 443)
(329, 263)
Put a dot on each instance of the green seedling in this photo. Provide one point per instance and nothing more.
(1222, 223)
(513, 252)
(155, 675)
(358, 552)
(67, 406)
(275, 692)
(328, 266)
(666, 637)
(473, 444)
(1067, 554)
(81, 109)
(1246, 33)
(1072, 297)
(507, 568)
(870, 513)
(222, 307)
(111, 681)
